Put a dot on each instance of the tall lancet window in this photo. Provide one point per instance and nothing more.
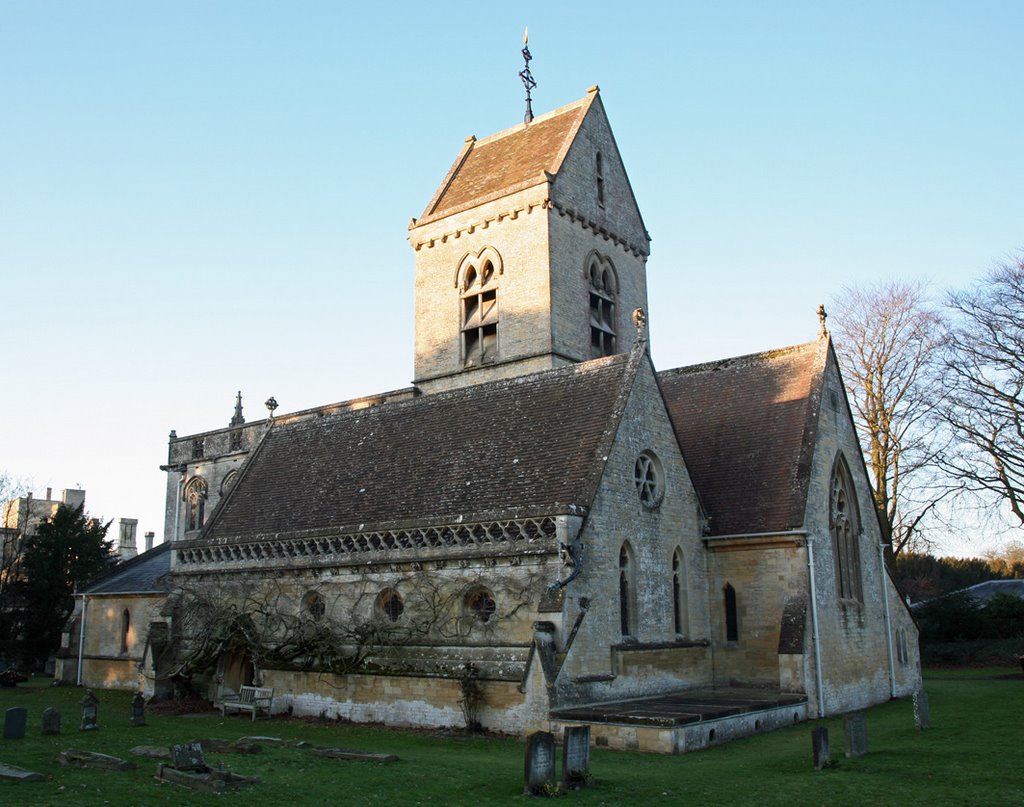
(678, 593)
(479, 312)
(844, 523)
(627, 592)
(603, 288)
(599, 168)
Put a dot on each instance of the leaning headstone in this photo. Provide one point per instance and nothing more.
(90, 712)
(922, 717)
(51, 721)
(540, 763)
(16, 774)
(14, 723)
(819, 742)
(855, 726)
(575, 757)
(138, 710)
(188, 757)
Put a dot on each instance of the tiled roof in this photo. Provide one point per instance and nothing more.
(526, 445)
(501, 163)
(142, 574)
(746, 426)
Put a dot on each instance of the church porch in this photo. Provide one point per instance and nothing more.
(688, 720)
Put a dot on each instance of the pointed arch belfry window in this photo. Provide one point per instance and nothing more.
(603, 291)
(844, 525)
(195, 501)
(478, 299)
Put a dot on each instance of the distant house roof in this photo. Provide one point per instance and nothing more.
(141, 575)
(983, 592)
(747, 428)
(508, 161)
(522, 446)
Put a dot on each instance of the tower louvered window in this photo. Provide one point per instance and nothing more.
(602, 308)
(479, 315)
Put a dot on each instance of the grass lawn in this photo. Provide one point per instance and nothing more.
(969, 756)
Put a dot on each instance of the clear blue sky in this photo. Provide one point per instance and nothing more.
(198, 197)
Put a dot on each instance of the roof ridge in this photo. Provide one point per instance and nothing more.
(744, 358)
(522, 127)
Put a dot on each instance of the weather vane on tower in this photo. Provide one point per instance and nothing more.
(526, 76)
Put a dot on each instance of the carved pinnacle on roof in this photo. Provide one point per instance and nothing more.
(822, 316)
(237, 419)
(640, 321)
(526, 76)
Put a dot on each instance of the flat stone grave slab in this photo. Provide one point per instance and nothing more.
(215, 746)
(15, 720)
(210, 781)
(351, 753)
(275, 741)
(91, 759)
(151, 752)
(15, 774)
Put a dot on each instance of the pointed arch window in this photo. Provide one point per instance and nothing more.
(844, 524)
(627, 592)
(478, 291)
(603, 292)
(679, 606)
(126, 626)
(732, 624)
(195, 500)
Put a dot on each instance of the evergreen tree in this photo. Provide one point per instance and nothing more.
(65, 551)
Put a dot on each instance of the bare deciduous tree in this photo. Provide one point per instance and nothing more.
(984, 377)
(888, 340)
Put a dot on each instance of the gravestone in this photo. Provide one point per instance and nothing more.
(188, 757)
(819, 742)
(90, 712)
(855, 726)
(540, 763)
(138, 710)
(51, 721)
(922, 717)
(14, 723)
(575, 757)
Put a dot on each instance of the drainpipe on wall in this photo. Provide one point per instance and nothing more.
(814, 627)
(81, 640)
(888, 622)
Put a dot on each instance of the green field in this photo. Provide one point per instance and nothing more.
(969, 756)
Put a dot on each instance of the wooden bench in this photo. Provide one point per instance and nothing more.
(248, 699)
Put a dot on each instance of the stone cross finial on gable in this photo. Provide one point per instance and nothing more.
(822, 316)
(640, 321)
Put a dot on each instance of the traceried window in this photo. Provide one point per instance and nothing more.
(649, 480)
(844, 524)
(602, 291)
(390, 605)
(480, 605)
(678, 593)
(479, 301)
(195, 503)
(732, 624)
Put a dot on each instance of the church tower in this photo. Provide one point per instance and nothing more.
(531, 254)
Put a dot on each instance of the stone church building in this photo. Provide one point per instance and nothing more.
(544, 528)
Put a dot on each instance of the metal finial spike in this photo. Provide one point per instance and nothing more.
(526, 76)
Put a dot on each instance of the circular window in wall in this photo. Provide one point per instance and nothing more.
(480, 605)
(649, 479)
(390, 604)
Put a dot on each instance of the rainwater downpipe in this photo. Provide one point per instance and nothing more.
(81, 641)
(888, 622)
(814, 627)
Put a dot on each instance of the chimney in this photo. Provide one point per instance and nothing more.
(149, 540)
(49, 494)
(126, 540)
